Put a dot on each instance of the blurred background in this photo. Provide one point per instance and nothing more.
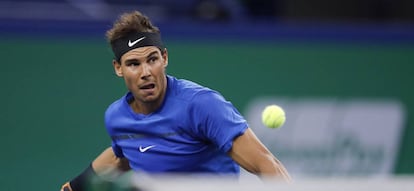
(342, 69)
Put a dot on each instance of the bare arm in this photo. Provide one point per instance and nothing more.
(106, 165)
(253, 156)
(107, 162)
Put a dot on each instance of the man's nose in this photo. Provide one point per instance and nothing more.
(146, 70)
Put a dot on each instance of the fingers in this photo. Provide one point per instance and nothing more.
(66, 187)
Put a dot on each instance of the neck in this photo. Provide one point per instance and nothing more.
(151, 106)
(145, 107)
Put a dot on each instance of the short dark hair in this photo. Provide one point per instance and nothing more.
(128, 23)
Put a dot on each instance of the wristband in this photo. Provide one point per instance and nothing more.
(81, 182)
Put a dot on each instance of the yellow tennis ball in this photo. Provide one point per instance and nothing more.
(273, 116)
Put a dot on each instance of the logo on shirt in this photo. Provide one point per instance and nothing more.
(144, 149)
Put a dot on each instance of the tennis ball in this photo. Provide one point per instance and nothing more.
(273, 116)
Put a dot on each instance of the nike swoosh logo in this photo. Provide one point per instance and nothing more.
(131, 44)
(143, 149)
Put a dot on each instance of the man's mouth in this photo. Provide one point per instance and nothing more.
(148, 86)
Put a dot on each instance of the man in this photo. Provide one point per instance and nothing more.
(169, 125)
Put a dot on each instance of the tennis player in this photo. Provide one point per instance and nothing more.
(169, 125)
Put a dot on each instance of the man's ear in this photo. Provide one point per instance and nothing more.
(165, 57)
(117, 68)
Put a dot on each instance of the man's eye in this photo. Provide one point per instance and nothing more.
(153, 59)
(133, 64)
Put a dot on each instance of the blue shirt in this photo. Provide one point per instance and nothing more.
(191, 132)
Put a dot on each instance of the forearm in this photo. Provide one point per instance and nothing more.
(253, 156)
(107, 164)
(273, 168)
(265, 166)
(82, 181)
(105, 167)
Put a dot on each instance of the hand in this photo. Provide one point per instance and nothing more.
(66, 187)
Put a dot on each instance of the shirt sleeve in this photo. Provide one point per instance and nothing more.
(117, 150)
(217, 120)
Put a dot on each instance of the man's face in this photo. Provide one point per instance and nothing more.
(143, 70)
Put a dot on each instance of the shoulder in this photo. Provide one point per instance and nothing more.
(188, 90)
(196, 96)
(117, 105)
